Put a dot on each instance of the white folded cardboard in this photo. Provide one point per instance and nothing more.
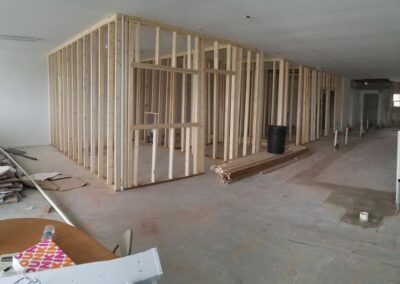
(144, 266)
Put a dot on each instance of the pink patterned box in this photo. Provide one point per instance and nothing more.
(42, 256)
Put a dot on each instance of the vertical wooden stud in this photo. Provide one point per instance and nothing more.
(93, 101)
(299, 106)
(110, 102)
(101, 102)
(246, 104)
(215, 101)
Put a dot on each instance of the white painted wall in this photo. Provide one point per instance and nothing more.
(24, 110)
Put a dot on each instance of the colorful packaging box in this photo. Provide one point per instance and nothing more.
(42, 256)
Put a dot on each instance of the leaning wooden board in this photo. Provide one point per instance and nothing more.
(253, 164)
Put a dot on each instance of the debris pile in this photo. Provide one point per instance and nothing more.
(10, 181)
(13, 180)
(54, 181)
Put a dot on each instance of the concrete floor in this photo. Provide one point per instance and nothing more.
(295, 225)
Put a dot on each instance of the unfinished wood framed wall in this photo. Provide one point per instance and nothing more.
(279, 96)
(234, 96)
(85, 97)
(306, 100)
(319, 104)
(138, 102)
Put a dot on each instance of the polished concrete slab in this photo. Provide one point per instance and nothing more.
(293, 225)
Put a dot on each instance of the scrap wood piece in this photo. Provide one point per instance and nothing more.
(69, 184)
(43, 176)
(59, 176)
(48, 209)
(6, 169)
(15, 189)
(249, 165)
(47, 185)
(8, 180)
(54, 181)
(19, 153)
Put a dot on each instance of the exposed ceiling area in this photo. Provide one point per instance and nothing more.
(355, 38)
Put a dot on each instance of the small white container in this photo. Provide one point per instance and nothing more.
(363, 216)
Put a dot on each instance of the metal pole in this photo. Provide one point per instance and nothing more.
(335, 144)
(346, 136)
(52, 203)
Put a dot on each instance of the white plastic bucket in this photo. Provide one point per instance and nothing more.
(363, 216)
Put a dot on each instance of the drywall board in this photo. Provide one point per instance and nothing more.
(354, 38)
(24, 111)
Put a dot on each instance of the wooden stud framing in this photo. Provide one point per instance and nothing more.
(79, 71)
(299, 121)
(281, 100)
(215, 102)
(154, 155)
(318, 118)
(94, 100)
(291, 104)
(86, 101)
(74, 102)
(227, 104)
(110, 102)
(117, 102)
(273, 95)
(102, 86)
(247, 104)
(101, 101)
(258, 102)
(285, 93)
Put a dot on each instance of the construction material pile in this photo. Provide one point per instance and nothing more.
(10, 181)
(13, 180)
(253, 164)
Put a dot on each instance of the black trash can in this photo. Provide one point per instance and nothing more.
(276, 139)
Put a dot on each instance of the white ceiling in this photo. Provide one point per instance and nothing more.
(356, 38)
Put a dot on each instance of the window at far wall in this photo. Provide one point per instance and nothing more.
(396, 100)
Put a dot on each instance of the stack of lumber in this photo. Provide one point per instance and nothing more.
(253, 164)
(10, 183)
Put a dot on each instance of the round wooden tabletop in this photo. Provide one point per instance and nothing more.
(17, 235)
